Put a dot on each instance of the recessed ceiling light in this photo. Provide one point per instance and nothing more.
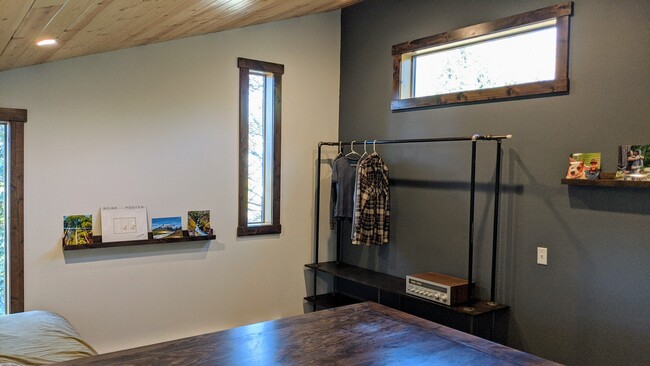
(46, 42)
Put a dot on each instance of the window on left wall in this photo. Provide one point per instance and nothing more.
(11, 210)
(260, 95)
(4, 265)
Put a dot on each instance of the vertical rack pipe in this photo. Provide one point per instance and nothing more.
(339, 227)
(495, 229)
(317, 221)
(474, 139)
(472, 194)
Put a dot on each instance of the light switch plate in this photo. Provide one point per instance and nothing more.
(542, 256)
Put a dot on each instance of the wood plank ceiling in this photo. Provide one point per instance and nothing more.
(85, 27)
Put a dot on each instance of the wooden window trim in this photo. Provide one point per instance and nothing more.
(16, 119)
(560, 12)
(13, 115)
(245, 66)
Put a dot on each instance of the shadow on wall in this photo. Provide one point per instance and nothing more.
(457, 185)
(197, 250)
(623, 200)
(628, 200)
(511, 248)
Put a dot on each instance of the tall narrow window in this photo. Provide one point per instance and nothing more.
(11, 210)
(260, 87)
(3, 221)
(519, 56)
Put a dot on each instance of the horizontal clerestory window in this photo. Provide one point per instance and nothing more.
(519, 56)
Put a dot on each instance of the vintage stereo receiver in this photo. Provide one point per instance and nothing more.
(437, 287)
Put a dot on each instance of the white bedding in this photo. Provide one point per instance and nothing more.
(38, 338)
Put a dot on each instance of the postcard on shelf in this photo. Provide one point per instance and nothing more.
(198, 223)
(583, 166)
(124, 223)
(77, 229)
(633, 162)
(166, 227)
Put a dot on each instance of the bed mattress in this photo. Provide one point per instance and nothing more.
(38, 338)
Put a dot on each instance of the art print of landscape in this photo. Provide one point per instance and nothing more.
(77, 229)
(198, 223)
(166, 227)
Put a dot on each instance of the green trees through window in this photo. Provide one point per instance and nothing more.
(259, 190)
(518, 59)
(260, 95)
(12, 133)
(518, 56)
(3, 220)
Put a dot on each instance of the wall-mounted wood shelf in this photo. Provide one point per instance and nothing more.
(97, 241)
(607, 183)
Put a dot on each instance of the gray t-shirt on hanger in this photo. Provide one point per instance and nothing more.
(343, 180)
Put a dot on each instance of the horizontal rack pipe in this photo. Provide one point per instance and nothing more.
(474, 138)
(411, 141)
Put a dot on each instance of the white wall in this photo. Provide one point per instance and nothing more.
(158, 125)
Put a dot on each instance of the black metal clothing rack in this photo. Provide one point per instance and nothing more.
(474, 139)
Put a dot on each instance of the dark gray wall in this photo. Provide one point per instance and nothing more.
(589, 306)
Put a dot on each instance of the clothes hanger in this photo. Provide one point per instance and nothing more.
(374, 149)
(340, 150)
(352, 152)
(365, 152)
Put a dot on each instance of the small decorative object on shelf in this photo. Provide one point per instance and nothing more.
(124, 223)
(77, 229)
(633, 162)
(584, 166)
(198, 223)
(166, 227)
(637, 177)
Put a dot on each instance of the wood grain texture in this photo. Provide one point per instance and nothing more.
(16, 222)
(85, 27)
(277, 149)
(242, 199)
(360, 334)
(477, 30)
(542, 88)
(12, 13)
(13, 115)
(258, 230)
(612, 183)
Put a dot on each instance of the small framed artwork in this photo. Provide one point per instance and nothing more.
(166, 227)
(124, 223)
(77, 229)
(198, 223)
(633, 162)
(584, 166)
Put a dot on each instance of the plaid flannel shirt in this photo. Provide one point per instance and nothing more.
(371, 219)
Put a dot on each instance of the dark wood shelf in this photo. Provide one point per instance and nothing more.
(363, 276)
(97, 241)
(332, 300)
(396, 285)
(612, 183)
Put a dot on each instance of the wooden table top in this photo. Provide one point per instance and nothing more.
(359, 334)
